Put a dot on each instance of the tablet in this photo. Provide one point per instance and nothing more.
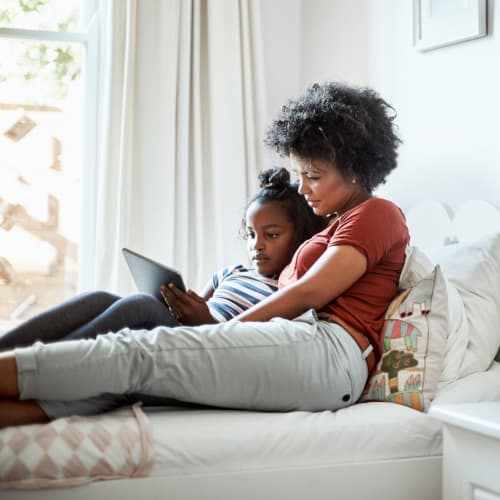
(150, 275)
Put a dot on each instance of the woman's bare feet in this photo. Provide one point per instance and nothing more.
(8, 376)
(21, 413)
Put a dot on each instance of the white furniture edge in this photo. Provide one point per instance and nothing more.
(470, 450)
(483, 417)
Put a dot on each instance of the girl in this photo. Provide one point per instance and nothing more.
(277, 220)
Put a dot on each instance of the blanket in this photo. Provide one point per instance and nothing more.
(76, 450)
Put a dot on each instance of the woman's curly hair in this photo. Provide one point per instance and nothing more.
(275, 187)
(350, 127)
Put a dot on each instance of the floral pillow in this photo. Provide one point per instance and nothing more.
(414, 343)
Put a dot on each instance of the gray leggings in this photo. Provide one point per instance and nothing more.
(88, 315)
(278, 365)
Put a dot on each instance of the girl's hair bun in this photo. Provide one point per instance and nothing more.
(277, 178)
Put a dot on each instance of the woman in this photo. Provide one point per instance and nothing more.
(310, 345)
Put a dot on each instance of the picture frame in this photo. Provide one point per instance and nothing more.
(439, 23)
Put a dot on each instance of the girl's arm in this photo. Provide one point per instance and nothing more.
(333, 273)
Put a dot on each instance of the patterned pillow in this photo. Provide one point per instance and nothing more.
(76, 450)
(414, 343)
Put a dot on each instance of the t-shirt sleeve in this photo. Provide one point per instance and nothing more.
(374, 228)
(223, 273)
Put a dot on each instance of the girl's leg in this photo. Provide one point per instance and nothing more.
(136, 312)
(278, 365)
(57, 322)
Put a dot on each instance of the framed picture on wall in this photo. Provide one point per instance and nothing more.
(438, 23)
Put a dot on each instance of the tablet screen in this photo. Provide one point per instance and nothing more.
(150, 275)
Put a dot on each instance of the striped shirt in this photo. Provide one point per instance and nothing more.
(236, 289)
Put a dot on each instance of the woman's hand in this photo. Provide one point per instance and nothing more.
(188, 307)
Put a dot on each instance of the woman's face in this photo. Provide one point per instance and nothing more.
(325, 188)
(270, 237)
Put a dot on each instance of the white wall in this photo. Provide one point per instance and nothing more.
(335, 41)
(282, 42)
(301, 43)
(448, 106)
(447, 100)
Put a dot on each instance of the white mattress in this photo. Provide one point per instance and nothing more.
(191, 441)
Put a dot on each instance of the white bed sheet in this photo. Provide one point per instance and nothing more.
(218, 441)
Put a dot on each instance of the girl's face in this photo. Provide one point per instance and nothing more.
(270, 237)
(325, 188)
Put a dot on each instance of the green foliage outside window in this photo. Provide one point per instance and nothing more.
(56, 64)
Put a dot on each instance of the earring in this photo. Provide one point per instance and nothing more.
(354, 180)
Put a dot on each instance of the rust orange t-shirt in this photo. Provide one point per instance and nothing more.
(376, 227)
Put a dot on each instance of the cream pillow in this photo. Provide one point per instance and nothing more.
(457, 339)
(417, 266)
(474, 269)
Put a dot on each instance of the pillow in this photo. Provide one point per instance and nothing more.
(458, 337)
(414, 340)
(417, 266)
(480, 386)
(76, 450)
(474, 270)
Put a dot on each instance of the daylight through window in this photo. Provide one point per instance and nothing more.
(42, 106)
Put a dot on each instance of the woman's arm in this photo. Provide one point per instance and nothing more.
(332, 274)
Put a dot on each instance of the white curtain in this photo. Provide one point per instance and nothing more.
(180, 136)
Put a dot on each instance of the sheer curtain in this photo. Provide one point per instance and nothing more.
(179, 136)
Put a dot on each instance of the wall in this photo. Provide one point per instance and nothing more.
(448, 107)
(447, 99)
(282, 42)
(301, 44)
(335, 41)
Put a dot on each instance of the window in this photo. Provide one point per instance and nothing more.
(47, 66)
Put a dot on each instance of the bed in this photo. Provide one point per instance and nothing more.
(386, 446)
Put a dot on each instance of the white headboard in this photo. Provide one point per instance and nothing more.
(434, 225)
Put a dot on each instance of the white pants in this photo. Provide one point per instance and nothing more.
(278, 365)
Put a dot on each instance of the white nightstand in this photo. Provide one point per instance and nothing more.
(471, 450)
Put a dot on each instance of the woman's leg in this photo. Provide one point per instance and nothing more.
(136, 312)
(55, 323)
(9, 388)
(21, 412)
(278, 365)
(15, 412)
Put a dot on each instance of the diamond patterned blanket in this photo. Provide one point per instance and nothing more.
(76, 450)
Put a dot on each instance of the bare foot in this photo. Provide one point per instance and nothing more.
(21, 413)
